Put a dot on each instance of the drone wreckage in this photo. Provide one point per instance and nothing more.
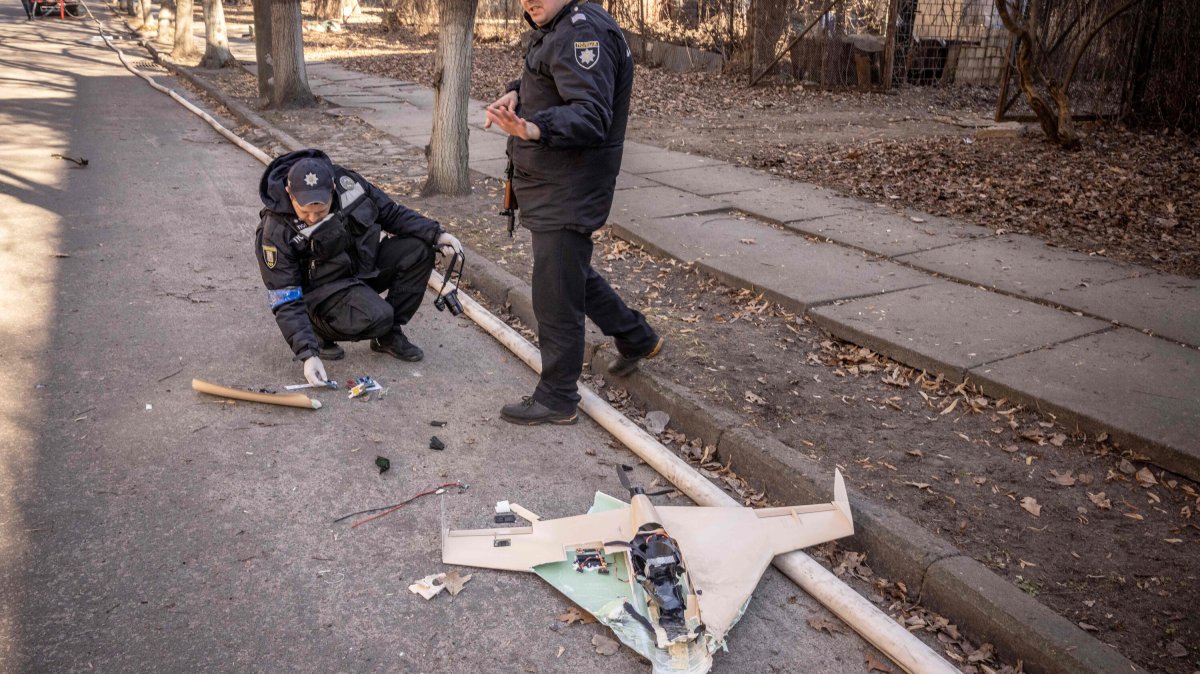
(669, 581)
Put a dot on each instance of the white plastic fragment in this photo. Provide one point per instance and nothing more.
(429, 586)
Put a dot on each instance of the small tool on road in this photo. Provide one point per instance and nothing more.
(332, 385)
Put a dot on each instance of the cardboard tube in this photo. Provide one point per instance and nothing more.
(287, 400)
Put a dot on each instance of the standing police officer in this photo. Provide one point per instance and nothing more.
(321, 258)
(566, 117)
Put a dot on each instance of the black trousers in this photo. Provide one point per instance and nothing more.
(358, 312)
(565, 289)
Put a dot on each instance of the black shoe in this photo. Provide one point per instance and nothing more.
(330, 350)
(625, 365)
(398, 346)
(530, 412)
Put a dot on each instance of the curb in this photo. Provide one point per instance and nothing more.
(951, 583)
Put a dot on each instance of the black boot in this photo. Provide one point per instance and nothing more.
(530, 412)
(398, 346)
(625, 365)
(329, 350)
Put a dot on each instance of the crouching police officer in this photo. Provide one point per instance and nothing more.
(324, 264)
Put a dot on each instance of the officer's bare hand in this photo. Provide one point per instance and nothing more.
(314, 371)
(508, 121)
(507, 102)
(449, 244)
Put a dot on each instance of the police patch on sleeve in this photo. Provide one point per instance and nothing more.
(587, 54)
(270, 256)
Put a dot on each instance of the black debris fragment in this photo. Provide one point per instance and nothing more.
(383, 464)
(439, 424)
(435, 443)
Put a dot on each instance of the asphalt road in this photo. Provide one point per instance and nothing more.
(145, 527)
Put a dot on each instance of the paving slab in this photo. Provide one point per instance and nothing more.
(487, 146)
(634, 147)
(359, 100)
(627, 181)
(373, 82)
(418, 139)
(399, 120)
(334, 88)
(887, 233)
(662, 160)
(1020, 265)
(1166, 305)
(493, 168)
(790, 202)
(1143, 390)
(950, 328)
(422, 98)
(791, 270)
(717, 179)
(643, 203)
(330, 71)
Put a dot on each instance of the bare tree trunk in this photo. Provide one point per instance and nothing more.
(448, 173)
(166, 22)
(768, 20)
(290, 87)
(141, 11)
(147, 13)
(1047, 97)
(185, 44)
(262, 47)
(216, 40)
(334, 10)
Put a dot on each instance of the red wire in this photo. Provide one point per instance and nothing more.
(400, 505)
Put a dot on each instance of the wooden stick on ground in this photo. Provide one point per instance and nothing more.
(287, 400)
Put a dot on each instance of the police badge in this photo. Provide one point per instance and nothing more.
(270, 254)
(587, 54)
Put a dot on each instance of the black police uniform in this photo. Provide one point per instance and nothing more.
(328, 286)
(575, 87)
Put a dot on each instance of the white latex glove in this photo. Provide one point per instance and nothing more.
(314, 371)
(446, 240)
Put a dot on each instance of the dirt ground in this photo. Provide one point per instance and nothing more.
(1090, 530)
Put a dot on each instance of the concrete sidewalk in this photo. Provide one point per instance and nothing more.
(1109, 347)
(1016, 316)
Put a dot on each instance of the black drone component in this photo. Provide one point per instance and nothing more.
(449, 300)
(505, 518)
(659, 567)
(641, 619)
(634, 491)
